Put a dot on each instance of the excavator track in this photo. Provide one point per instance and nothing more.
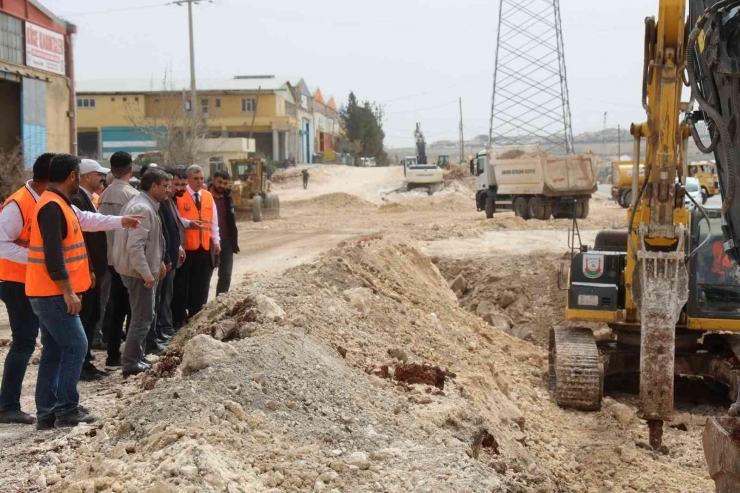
(576, 371)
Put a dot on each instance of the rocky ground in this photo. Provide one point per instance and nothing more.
(398, 360)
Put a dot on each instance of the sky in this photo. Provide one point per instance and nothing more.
(414, 57)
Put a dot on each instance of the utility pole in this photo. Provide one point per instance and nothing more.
(619, 141)
(603, 135)
(193, 97)
(462, 137)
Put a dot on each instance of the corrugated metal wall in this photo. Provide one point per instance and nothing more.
(33, 118)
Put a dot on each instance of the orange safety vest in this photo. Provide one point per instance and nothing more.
(38, 281)
(13, 271)
(721, 262)
(195, 239)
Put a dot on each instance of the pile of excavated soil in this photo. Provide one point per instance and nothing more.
(320, 385)
(454, 196)
(518, 293)
(338, 201)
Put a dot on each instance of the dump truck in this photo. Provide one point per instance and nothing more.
(622, 181)
(251, 189)
(534, 184)
(706, 173)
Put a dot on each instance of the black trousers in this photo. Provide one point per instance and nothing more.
(24, 326)
(116, 311)
(225, 267)
(192, 282)
(89, 316)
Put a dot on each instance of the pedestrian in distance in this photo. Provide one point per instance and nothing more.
(92, 175)
(138, 258)
(305, 178)
(229, 235)
(57, 273)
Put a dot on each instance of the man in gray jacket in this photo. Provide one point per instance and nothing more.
(137, 256)
(112, 201)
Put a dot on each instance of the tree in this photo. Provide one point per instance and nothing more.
(12, 171)
(363, 128)
(167, 119)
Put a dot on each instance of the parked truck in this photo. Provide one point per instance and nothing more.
(622, 182)
(534, 184)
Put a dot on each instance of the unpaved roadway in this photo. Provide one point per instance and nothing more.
(579, 452)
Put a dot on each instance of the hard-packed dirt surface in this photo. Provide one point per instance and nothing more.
(366, 365)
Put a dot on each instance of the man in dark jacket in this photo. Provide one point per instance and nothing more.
(91, 176)
(226, 228)
(175, 233)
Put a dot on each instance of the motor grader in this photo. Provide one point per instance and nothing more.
(250, 189)
(668, 284)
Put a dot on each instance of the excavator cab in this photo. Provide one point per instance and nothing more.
(707, 333)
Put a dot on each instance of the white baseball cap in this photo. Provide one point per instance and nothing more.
(90, 166)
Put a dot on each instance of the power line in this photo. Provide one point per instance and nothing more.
(421, 109)
(124, 9)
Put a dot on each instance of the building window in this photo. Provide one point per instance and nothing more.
(187, 105)
(11, 39)
(218, 103)
(204, 107)
(249, 104)
(85, 103)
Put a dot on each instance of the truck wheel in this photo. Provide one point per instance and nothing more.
(520, 207)
(535, 209)
(583, 209)
(489, 207)
(257, 209)
(627, 199)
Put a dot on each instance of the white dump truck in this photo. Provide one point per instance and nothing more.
(534, 184)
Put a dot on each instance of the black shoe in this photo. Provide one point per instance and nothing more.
(75, 417)
(155, 348)
(16, 416)
(90, 375)
(46, 423)
(135, 370)
(163, 338)
(169, 332)
(113, 360)
(146, 362)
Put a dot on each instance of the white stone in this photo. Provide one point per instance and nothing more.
(203, 351)
(268, 308)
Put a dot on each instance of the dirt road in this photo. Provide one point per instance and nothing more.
(349, 266)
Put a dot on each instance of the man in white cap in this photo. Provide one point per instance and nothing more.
(92, 175)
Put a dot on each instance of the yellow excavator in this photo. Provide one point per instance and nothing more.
(668, 285)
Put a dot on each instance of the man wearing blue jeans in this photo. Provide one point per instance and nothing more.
(57, 272)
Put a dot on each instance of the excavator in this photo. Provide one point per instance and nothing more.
(668, 285)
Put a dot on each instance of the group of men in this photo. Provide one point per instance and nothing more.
(79, 244)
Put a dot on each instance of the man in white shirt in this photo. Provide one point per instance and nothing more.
(24, 324)
(193, 279)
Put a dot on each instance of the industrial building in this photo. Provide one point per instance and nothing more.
(36, 80)
(276, 113)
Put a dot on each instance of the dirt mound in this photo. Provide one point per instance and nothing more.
(295, 408)
(332, 201)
